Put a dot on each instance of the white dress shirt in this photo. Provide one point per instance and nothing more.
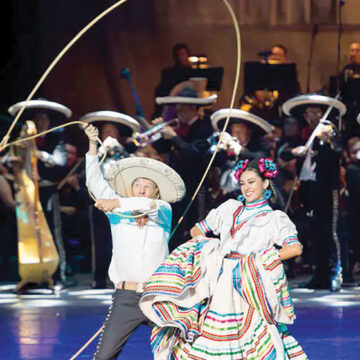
(137, 252)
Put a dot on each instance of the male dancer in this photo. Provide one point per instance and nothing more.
(140, 186)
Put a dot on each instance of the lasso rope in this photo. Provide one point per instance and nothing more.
(5, 141)
(6, 138)
(91, 174)
(236, 84)
(87, 343)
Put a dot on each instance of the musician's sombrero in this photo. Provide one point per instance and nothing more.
(187, 96)
(114, 117)
(297, 105)
(41, 104)
(122, 174)
(358, 119)
(219, 117)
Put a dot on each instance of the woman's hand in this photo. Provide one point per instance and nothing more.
(195, 231)
(107, 205)
(288, 252)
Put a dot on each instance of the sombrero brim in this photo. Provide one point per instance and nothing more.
(112, 116)
(297, 105)
(219, 117)
(173, 100)
(40, 104)
(122, 174)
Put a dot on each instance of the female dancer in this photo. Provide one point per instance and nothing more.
(228, 298)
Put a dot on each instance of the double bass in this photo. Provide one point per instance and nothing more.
(38, 257)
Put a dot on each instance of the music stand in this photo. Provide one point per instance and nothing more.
(267, 76)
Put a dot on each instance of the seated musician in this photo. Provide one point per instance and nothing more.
(278, 54)
(352, 69)
(172, 75)
(269, 83)
(139, 186)
(349, 84)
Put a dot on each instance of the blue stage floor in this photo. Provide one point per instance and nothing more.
(46, 326)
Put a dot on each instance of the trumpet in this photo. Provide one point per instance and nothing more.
(153, 134)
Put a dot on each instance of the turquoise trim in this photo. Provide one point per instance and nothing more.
(165, 216)
(116, 219)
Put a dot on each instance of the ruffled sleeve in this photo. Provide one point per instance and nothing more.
(214, 220)
(285, 232)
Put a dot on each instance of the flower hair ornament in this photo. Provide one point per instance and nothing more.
(240, 167)
(267, 168)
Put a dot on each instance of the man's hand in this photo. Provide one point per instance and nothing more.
(107, 205)
(168, 132)
(299, 151)
(157, 121)
(73, 181)
(92, 133)
(327, 133)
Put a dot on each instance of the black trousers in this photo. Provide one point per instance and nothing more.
(123, 317)
(323, 234)
(103, 245)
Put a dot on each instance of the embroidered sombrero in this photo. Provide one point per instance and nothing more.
(122, 174)
(218, 119)
(297, 105)
(41, 104)
(112, 116)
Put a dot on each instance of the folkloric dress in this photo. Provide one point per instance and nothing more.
(229, 298)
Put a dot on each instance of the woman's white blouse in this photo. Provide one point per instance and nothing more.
(137, 252)
(263, 228)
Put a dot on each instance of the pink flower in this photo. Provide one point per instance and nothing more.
(240, 167)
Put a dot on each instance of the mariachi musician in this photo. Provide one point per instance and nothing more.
(186, 147)
(318, 166)
(51, 157)
(250, 131)
(115, 129)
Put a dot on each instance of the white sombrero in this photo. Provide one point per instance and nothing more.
(40, 104)
(218, 119)
(186, 100)
(112, 116)
(122, 174)
(297, 105)
(358, 119)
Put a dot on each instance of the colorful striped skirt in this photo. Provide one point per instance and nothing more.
(209, 306)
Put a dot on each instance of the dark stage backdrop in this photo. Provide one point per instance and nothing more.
(140, 34)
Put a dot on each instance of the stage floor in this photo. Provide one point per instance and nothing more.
(41, 325)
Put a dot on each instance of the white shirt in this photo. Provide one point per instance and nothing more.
(308, 169)
(137, 252)
(262, 228)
